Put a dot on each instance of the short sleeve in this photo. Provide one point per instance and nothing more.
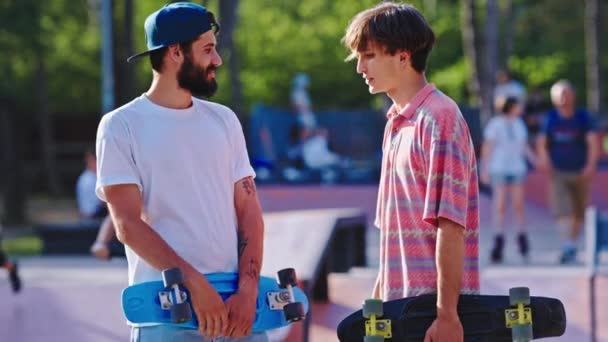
(591, 125)
(452, 176)
(546, 126)
(489, 133)
(115, 159)
(242, 167)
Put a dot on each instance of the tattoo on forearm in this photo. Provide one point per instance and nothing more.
(243, 241)
(249, 186)
(253, 269)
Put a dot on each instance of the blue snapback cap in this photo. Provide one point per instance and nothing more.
(176, 23)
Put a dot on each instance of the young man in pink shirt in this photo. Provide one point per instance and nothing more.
(428, 196)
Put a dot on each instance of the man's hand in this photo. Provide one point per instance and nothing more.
(100, 250)
(543, 164)
(450, 266)
(377, 291)
(588, 172)
(485, 177)
(445, 328)
(241, 314)
(208, 306)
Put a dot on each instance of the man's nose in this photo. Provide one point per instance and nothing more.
(217, 61)
(360, 67)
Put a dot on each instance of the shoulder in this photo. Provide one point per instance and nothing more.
(214, 108)
(494, 121)
(441, 114)
(219, 111)
(120, 116)
(587, 119)
(86, 177)
(584, 114)
(551, 116)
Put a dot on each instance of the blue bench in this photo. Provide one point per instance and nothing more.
(354, 134)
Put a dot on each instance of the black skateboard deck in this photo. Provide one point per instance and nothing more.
(484, 318)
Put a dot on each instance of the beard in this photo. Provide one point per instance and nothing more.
(195, 78)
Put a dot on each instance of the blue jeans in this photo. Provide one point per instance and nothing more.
(171, 333)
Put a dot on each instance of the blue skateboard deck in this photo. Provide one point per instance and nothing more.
(143, 303)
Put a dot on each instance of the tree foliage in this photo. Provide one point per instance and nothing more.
(275, 40)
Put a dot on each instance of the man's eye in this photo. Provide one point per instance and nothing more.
(369, 55)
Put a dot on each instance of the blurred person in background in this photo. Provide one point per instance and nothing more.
(503, 166)
(310, 140)
(506, 86)
(101, 247)
(568, 150)
(11, 266)
(89, 205)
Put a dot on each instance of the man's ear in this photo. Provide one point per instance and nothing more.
(404, 57)
(175, 53)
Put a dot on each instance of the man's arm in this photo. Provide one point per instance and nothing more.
(450, 265)
(241, 306)
(250, 234)
(125, 204)
(543, 162)
(101, 247)
(593, 153)
(486, 149)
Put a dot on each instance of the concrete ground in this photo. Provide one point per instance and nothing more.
(78, 299)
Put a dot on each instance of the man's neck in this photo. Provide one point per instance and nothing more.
(405, 92)
(167, 93)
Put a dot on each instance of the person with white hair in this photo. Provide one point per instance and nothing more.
(568, 149)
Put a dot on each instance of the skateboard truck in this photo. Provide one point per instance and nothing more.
(174, 299)
(294, 311)
(166, 299)
(376, 330)
(278, 300)
(519, 319)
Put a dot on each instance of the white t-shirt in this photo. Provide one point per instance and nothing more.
(185, 163)
(87, 200)
(509, 138)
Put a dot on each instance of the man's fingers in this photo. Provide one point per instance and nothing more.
(230, 330)
(225, 319)
(216, 326)
(244, 328)
(202, 323)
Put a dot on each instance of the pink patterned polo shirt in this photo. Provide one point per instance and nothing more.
(429, 171)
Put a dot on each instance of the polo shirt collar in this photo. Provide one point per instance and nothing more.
(414, 103)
